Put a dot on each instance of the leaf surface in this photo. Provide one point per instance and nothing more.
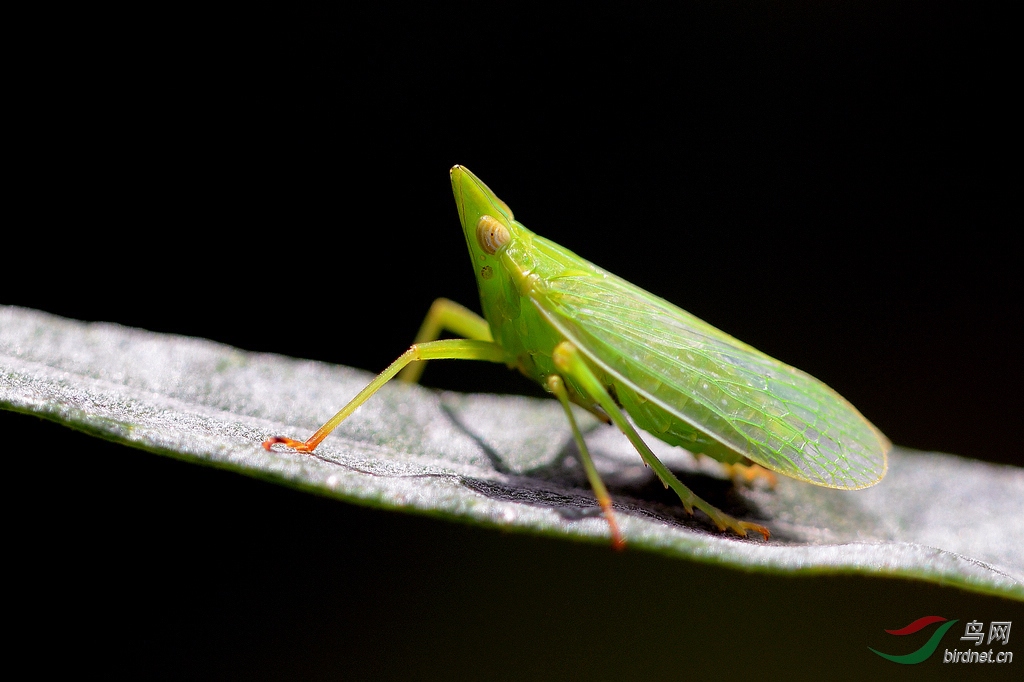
(501, 461)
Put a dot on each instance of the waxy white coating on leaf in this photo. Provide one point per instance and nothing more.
(422, 452)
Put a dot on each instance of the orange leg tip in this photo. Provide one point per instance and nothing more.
(617, 541)
(765, 533)
(290, 442)
(748, 473)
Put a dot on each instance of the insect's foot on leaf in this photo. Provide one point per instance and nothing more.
(618, 543)
(724, 521)
(290, 442)
(748, 473)
(757, 528)
(720, 518)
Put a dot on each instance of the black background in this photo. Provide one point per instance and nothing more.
(829, 184)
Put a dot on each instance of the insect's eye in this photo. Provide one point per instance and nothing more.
(491, 234)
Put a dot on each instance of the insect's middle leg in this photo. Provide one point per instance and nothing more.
(569, 361)
(446, 315)
(556, 385)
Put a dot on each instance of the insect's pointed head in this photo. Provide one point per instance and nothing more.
(492, 234)
(486, 220)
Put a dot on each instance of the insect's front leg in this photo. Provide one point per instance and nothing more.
(446, 315)
(570, 362)
(447, 349)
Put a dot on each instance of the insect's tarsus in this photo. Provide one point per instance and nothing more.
(290, 442)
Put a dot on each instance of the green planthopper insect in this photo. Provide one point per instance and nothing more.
(596, 340)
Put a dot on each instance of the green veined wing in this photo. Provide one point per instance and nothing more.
(770, 412)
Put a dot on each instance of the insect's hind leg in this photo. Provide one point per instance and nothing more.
(446, 315)
(569, 361)
(556, 385)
